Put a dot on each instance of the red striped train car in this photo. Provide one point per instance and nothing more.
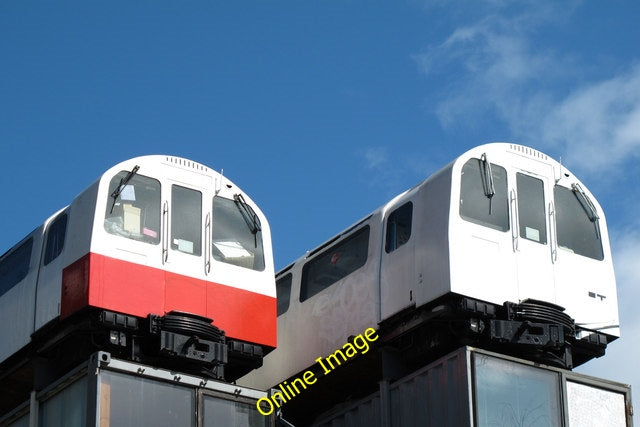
(161, 258)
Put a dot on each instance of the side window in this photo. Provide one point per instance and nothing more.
(335, 263)
(483, 194)
(531, 208)
(186, 220)
(399, 227)
(577, 225)
(133, 207)
(14, 266)
(55, 238)
(283, 291)
(236, 234)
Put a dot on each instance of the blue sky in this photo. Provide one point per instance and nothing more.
(320, 110)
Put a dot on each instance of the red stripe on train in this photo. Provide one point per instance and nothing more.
(109, 283)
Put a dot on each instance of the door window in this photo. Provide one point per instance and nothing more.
(55, 238)
(399, 227)
(186, 220)
(531, 208)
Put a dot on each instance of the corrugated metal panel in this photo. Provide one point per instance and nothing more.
(366, 412)
(442, 394)
(436, 395)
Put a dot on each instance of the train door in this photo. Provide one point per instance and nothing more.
(397, 269)
(481, 244)
(132, 245)
(50, 274)
(530, 205)
(184, 216)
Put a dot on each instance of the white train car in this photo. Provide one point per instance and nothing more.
(147, 256)
(503, 248)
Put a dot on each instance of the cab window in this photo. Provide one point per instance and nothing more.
(133, 207)
(577, 223)
(236, 233)
(483, 194)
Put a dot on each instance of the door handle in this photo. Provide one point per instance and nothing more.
(553, 233)
(207, 244)
(514, 220)
(165, 232)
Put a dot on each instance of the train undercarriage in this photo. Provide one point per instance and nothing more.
(177, 341)
(531, 330)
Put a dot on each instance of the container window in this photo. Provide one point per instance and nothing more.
(55, 238)
(531, 208)
(236, 234)
(219, 412)
(14, 265)
(335, 263)
(483, 200)
(134, 211)
(399, 227)
(283, 291)
(578, 229)
(594, 406)
(130, 401)
(510, 394)
(186, 220)
(67, 407)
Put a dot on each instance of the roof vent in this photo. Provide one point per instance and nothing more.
(530, 152)
(187, 164)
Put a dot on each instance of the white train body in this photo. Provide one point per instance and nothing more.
(501, 223)
(152, 235)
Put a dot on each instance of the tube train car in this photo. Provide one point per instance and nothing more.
(141, 263)
(504, 248)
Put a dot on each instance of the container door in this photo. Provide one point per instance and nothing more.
(530, 207)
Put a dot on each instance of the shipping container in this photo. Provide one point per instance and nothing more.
(472, 387)
(105, 391)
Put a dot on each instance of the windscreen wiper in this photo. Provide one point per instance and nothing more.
(586, 202)
(123, 182)
(587, 205)
(487, 181)
(249, 216)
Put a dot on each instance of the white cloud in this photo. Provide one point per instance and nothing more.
(601, 121)
(375, 157)
(492, 67)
